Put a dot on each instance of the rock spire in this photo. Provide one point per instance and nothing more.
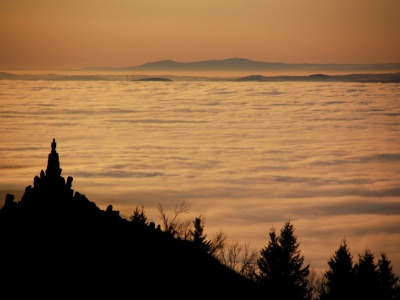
(51, 194)
(53, 163)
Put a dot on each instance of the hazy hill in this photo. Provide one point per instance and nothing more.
(383, 78)
(241, 64)
(56, 243)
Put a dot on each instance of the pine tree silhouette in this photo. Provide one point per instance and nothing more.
(197, 235)
(387, 279)
(367, 284)
(340, 276)
(297, 276)
(270, 272)
(138, 216)
(281, 267)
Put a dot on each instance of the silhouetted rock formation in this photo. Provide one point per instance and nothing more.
(50, 192)
(9, 203)
(56, 243)
(53, 164)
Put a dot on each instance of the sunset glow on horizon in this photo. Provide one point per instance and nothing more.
(75, 34)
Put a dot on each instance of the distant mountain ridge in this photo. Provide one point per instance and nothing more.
(241, 64)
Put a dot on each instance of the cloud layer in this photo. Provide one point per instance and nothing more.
(248, 156)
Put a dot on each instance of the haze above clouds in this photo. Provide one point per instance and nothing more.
(46, 34)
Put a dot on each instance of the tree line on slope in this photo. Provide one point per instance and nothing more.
(279, 267)
(362, 280)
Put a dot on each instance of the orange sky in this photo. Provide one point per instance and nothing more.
(118, 33)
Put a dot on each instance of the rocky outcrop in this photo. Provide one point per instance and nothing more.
(50, 191)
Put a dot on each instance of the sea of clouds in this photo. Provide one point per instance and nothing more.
(247, 156)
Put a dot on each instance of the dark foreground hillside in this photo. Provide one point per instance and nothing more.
(56, 243)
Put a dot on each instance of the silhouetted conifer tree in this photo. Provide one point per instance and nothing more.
(340, 276)
(387, 279)
(138, 216)
(367, 284)
(296, 275)
(281, 267)
(197, 235)
(270, 272)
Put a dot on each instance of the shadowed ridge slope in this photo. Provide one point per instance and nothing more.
(57, 243)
